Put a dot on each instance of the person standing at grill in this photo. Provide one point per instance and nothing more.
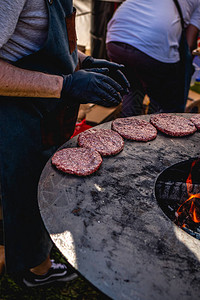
(144, 36)
(41, 88)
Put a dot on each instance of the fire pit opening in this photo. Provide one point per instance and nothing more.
(177, 191)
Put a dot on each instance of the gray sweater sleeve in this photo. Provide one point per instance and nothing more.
(9, 14)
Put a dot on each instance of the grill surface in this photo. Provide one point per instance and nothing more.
(110, 227)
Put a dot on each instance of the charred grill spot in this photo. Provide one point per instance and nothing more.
(115, 236)
(125, 218)
(95, 196)
(76, 211)
(161, 248)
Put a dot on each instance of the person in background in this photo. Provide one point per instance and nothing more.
(43, 79)
(144, 36)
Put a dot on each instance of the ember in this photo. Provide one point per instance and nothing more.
(177, 191)
(188, 213)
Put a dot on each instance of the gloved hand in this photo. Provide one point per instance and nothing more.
(92, 86)
(115, 70)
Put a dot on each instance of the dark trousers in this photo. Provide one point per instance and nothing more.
(22, 159)
(160, 81)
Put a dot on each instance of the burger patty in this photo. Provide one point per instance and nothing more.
(77, 161)
(196, 120)
(134, 129)
(105, 141)
(173, 125)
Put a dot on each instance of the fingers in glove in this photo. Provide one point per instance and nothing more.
(110, 101)
(98, 70)
(111, 92)
(107, 96)
(108, 64)
(113, 83)
(106, 100)
(114, 66)
(103, 63)
(119, 77)
(90, 62)
(101, 98)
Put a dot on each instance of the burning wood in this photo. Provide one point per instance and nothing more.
(188, 213)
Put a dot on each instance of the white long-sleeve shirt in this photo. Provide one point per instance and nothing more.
(153, 26)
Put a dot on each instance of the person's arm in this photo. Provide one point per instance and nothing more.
(24, 83)
(82, 86)
(192, 35)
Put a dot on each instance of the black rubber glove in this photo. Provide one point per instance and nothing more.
(92, 86)
(115, 70)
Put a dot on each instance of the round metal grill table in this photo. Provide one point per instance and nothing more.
(110, 227)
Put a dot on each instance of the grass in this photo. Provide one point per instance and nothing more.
(79, 288)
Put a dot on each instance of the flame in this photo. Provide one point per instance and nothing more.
(189, 179)
(190, 209)
(193, 209)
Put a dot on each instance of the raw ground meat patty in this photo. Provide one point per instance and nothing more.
(134, 129)
(105, 141)
(78, 161)
(196, 120)
(173, 125)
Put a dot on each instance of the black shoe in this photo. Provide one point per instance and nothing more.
(57, 273)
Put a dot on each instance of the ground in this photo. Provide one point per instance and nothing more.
(79, 288)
